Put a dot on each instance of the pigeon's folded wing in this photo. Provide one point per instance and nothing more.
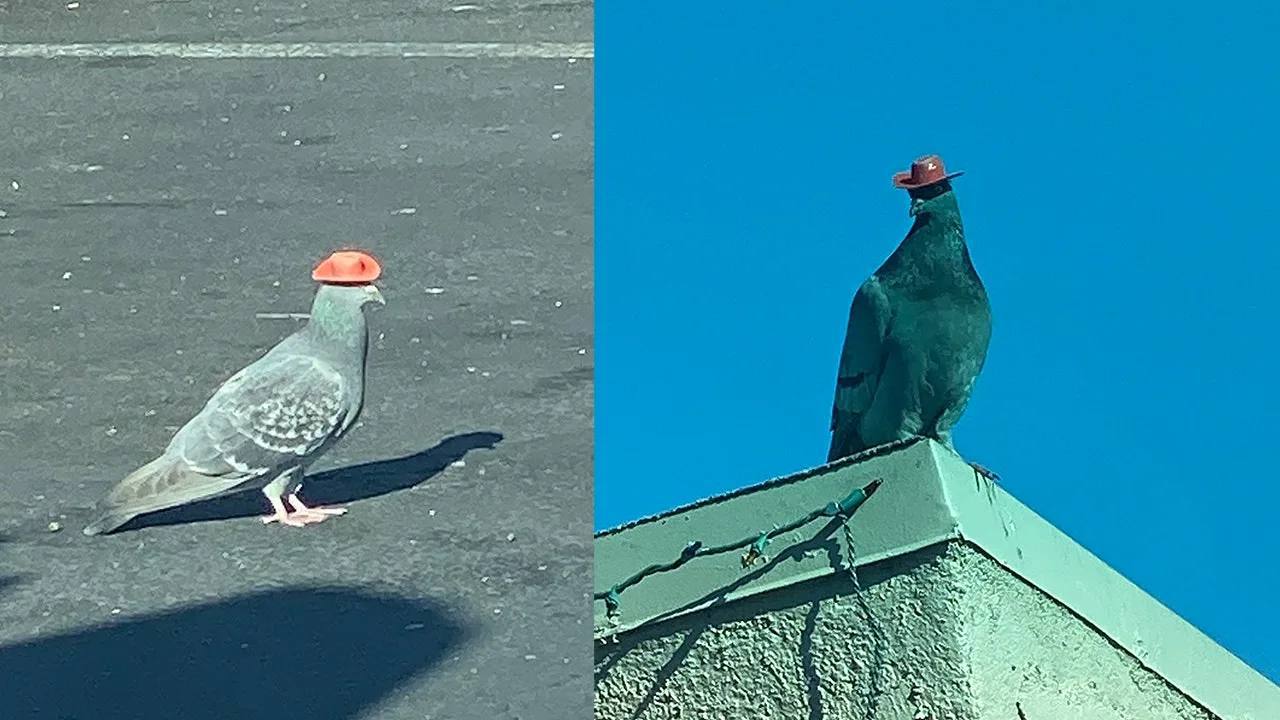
(276, 411)
(862, 359)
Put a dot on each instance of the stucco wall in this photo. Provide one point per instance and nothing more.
(942, 633)
(1024, 648)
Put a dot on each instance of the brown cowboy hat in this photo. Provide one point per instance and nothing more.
(927, 170)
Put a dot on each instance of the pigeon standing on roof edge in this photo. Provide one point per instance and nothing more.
(268, 422)
(918, 330)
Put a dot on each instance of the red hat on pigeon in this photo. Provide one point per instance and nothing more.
(925, 171)
(347, 266)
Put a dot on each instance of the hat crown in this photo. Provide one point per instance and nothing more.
(927, 169)
(347, 266)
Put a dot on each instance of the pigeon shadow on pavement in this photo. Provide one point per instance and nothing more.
(358, 482)
(334, 487)
(319, 653)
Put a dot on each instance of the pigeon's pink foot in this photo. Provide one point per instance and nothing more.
(282, 516)
(313, 514)
(289, 520)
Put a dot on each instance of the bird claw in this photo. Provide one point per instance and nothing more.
(325, 511)
(984, 472)
(318, 513)
(301, 515)
(302, 518)
(292, 520)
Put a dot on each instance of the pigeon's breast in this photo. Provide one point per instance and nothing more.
(949, 340)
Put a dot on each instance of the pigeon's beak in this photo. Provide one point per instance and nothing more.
(917, 205)
(375, 295)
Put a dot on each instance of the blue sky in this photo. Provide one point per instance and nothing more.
(1118, 203)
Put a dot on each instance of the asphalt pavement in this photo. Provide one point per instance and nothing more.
(159, 218)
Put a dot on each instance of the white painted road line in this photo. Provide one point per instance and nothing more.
(267, 51)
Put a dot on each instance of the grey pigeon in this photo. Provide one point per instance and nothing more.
(268, 422)
(918, 330)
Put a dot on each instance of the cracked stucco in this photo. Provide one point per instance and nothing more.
(943, 633)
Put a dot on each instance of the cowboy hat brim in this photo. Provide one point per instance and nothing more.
(903, 180)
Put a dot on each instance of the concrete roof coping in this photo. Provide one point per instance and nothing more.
(928, 496)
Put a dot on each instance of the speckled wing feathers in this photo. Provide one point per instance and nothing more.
(275, 412)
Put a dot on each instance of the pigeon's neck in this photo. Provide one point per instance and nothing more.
(338, 322)
(935, 246)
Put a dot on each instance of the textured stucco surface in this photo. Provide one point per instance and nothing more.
(1022, 647)
(943, 633)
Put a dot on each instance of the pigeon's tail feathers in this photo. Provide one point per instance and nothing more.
(163, 483)
(107, 522)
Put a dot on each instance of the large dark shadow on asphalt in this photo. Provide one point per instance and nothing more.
(333, 487)
(309, 652)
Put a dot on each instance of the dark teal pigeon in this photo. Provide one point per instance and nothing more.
(268, 422)
(918, 329)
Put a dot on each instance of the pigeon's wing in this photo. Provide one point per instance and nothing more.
(278, 411)
(861, 364)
